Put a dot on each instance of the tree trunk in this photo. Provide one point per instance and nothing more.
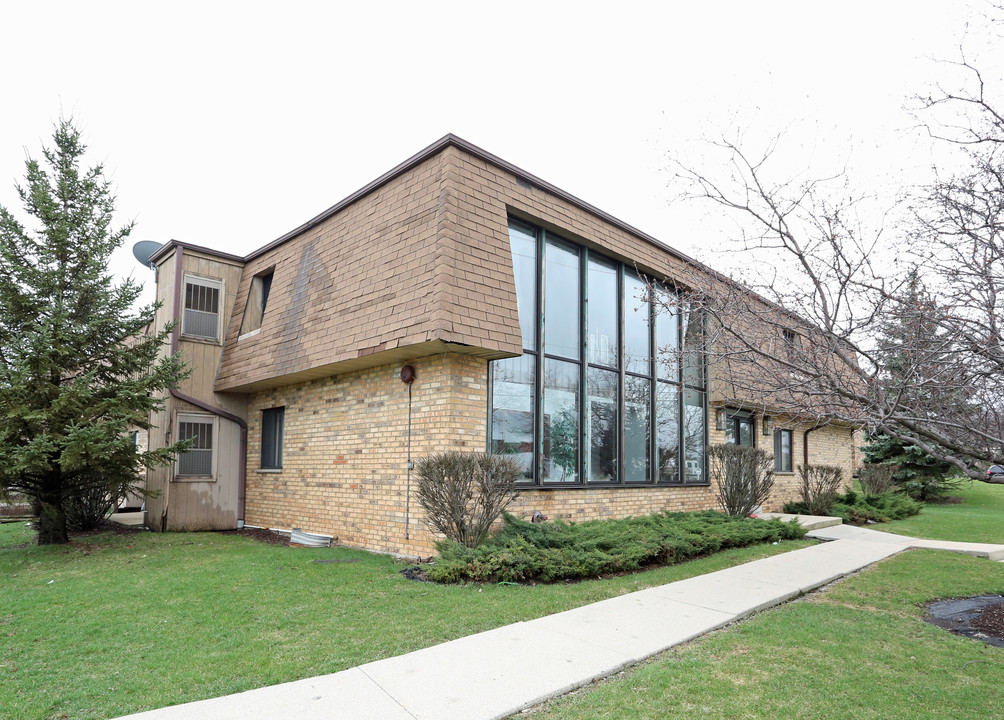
(52, 521)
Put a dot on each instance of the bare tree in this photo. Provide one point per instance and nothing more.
(808, 343)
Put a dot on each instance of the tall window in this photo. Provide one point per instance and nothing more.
(197, 461)
(201, 316)
(254, 310)
(782, 451)
(602, 393)
(272, 421)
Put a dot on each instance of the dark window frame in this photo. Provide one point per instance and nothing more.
(651, 374)
(273, 427)
(779, 459)
(254, 310)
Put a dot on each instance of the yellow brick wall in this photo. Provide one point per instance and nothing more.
(829, 445)
(345, 452)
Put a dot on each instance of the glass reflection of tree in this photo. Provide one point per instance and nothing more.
(667, 431)
(636, 429)
(602, 425)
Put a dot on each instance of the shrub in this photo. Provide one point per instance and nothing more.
(877, 478)
(856, 509)
(745, 477)
(551, 551)
(820, 485)
(464, 493)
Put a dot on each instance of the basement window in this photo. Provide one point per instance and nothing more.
(254, 309)
(201, 318)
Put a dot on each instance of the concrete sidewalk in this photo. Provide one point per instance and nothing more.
(500, 672)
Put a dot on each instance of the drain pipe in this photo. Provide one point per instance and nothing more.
(805, 444)
(179, 254)
(408, 377)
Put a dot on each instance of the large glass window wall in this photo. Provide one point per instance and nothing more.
(611, 387)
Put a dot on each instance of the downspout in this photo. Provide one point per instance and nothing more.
(220, 412)
(805, 444)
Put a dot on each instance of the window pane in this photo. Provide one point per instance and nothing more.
(523, 245)
(271, 437)
(782, 450)
(197, 460)
(693, 435)
(667, 339)
(667, 428)
(637, 352)
(560, 460)
(602, 304)
(561, 305)
(636, 429)
(512, 409)
(602, 429)
(201, 312)
(746, 432)
(693, 343)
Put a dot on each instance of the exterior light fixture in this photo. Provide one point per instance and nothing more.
(720, 419)
(766, 424)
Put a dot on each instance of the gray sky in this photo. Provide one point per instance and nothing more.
(228, 124)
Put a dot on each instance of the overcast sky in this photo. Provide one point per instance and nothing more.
(229, 124)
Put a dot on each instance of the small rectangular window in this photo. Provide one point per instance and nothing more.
(782, 451)
(254, 310)
(201, 318)
(272, 422)
(197, 461)
(790, 343)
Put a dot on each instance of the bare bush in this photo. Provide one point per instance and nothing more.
(464, 493)
(745, 477)
(820, 486)
(877, 478)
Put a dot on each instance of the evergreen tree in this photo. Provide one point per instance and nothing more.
(912, 352)
(78, 370)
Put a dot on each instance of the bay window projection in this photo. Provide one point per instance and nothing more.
(605, 392)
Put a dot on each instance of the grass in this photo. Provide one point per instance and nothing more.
(858, 649)
(118, 623)
(979, 518)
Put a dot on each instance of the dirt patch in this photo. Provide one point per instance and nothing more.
(416, 572)
(980, 617)
(260, 534)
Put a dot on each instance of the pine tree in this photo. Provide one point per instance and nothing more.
(78, 370)
(912, 351)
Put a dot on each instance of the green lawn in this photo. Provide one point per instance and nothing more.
(114, 624)
(979, 518)
(855, 650)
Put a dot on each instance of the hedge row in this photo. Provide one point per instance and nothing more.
(551, 551)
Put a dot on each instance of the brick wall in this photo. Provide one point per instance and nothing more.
(830, 445)
(345, 449)
(345, 452)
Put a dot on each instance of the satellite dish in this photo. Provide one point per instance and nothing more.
(143, 250)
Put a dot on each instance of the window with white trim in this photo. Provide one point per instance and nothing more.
(201, 317)
(197, 461)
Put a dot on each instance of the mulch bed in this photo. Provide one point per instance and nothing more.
(981, 617)
(260, 534)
